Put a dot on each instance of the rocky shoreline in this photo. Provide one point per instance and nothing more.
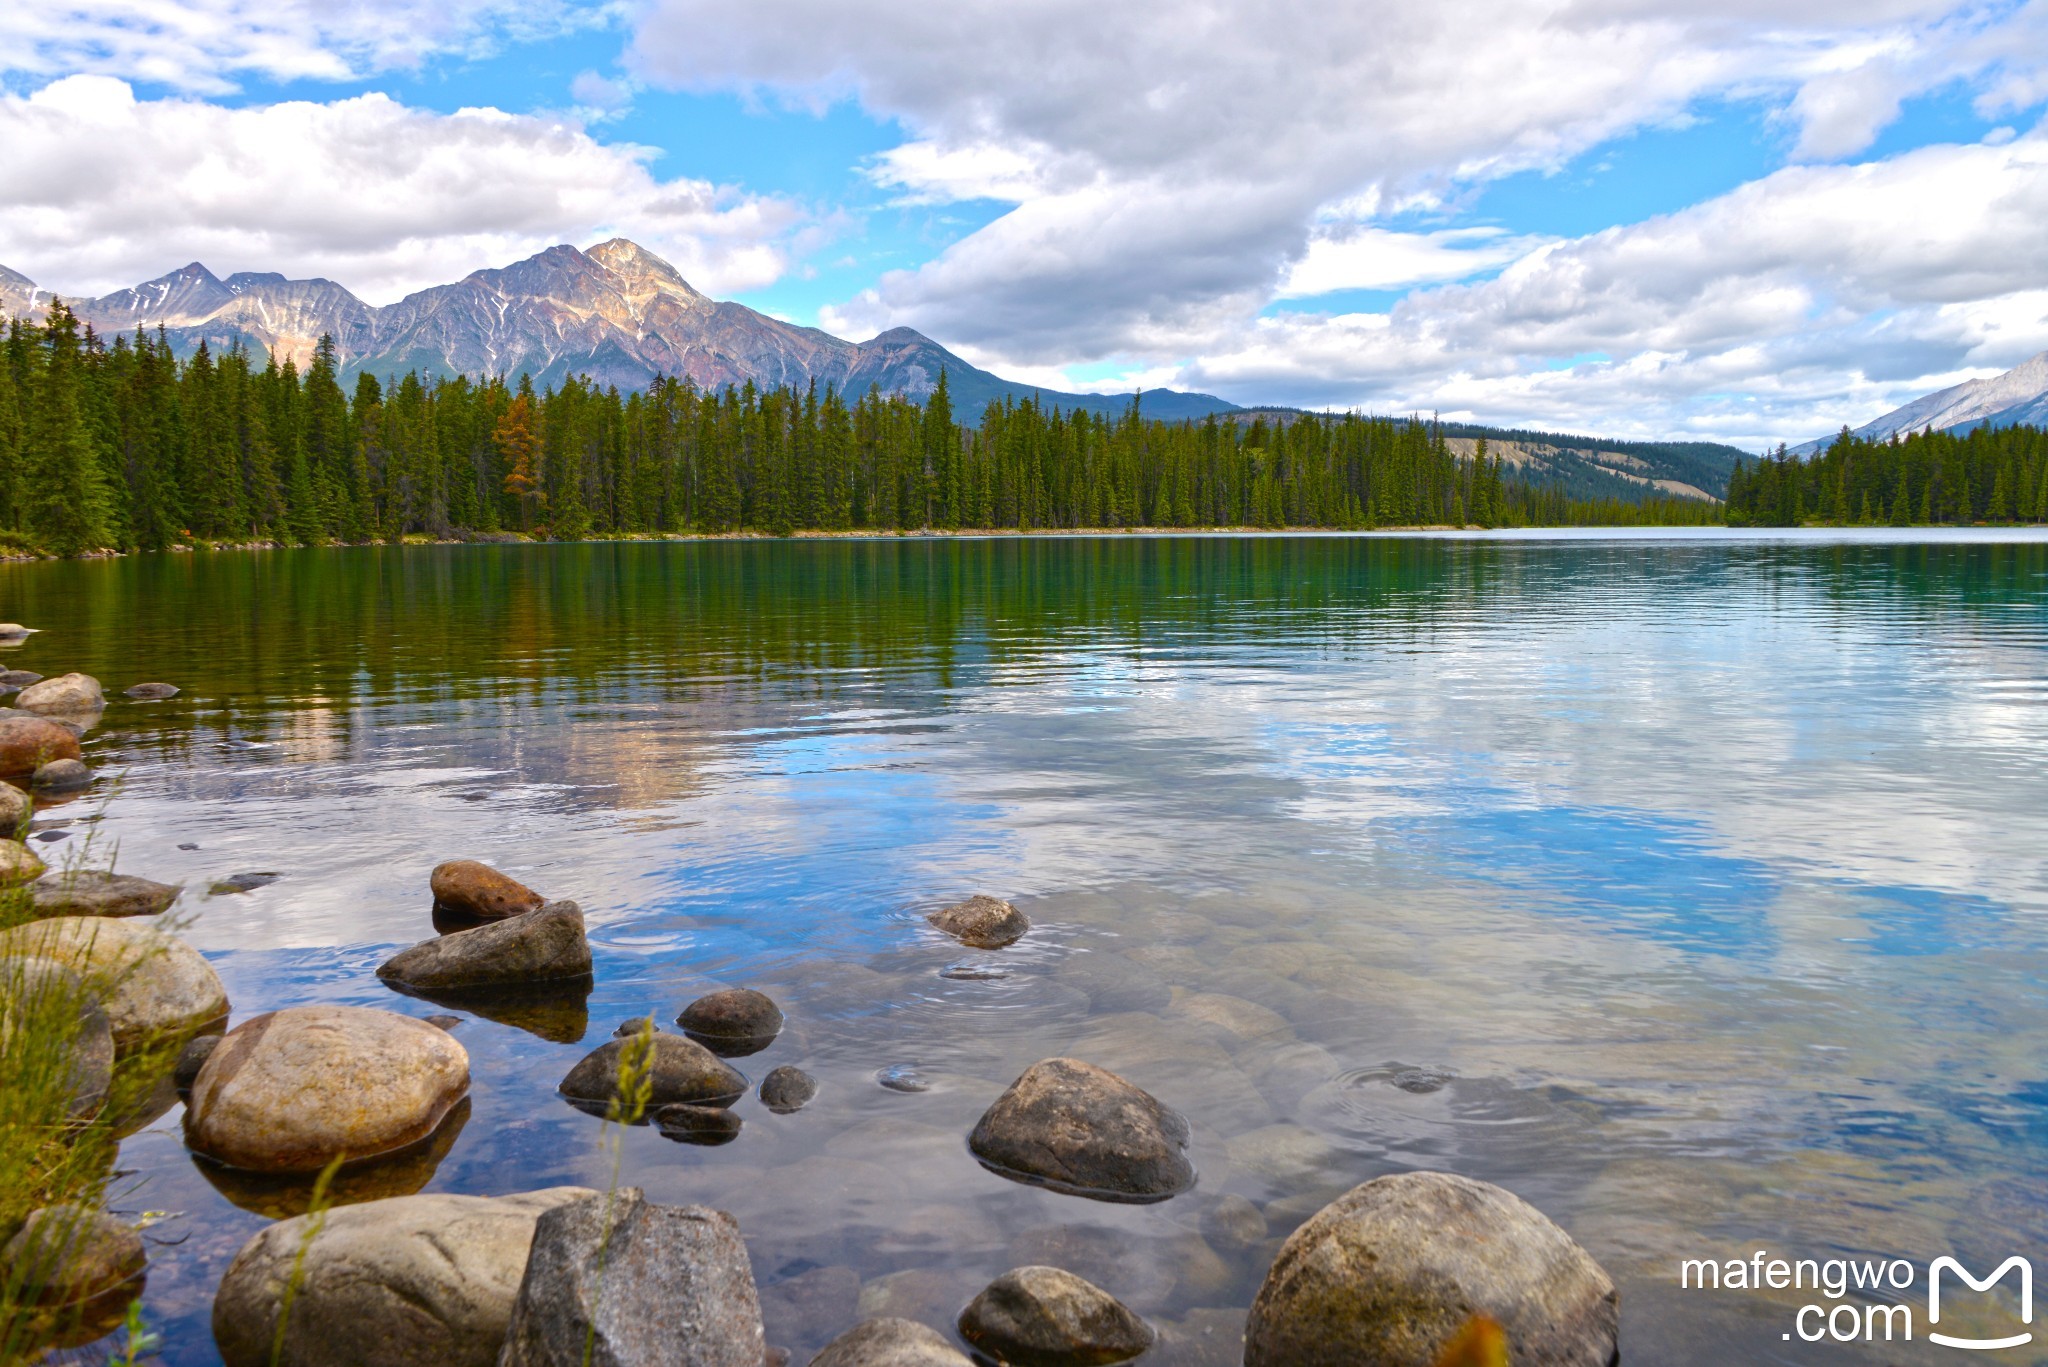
(1414, 1269)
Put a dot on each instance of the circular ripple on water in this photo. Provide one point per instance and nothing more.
(1424, 1112)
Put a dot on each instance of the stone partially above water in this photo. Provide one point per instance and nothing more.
(890, 1342)
(69, 693)
(697, 1124)
(18, 864)
(1081, 1129)
(787, 1090)
(236, 884)
(1043, 1317)
(62, 776)
(1391, 1271)
(67, 1255)
(981, 922)
(14, 680)
(684, 1071)
(150, 692)
(410, 1281)
(539, 947)
(152, 985)
(40, 989)
(735, 1022)
(479, 891)
(89, 893)
(288, 1090)
(15, 808)
(191, 1059)
(27, 743)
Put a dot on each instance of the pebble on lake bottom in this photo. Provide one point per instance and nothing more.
(903, 1077)
(968, 971)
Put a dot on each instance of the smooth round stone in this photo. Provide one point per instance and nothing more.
(37, 993)
(66, 693)
(66, 1255)
(480, 891)
(1044, 1317)
(981, 922)
(288, 1090)
(736, 1021)
(683, 1072)
(18, 864)
(697, 1124)
(13, 680)
(1234, 1224)
(62, 776)
(628, 1029)
(890, 1342)
(1081, 1129)
(1393, 1270)
(150, 692)
(89, 893)
(152, 985)
(903, 1077)
(15, 631)
(787, 1090)
(15, 808)
(29, 742)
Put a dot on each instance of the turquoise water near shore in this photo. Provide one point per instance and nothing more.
(1689, 885)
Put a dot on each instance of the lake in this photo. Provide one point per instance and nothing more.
(1690, 886)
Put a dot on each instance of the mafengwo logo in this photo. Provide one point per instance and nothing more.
(1869, 1300)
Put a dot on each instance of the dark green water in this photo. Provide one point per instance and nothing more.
(1707, 874)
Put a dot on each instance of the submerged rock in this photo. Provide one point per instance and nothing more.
(18, 864)
(150, 692)
(288, 1090)
(191, 1059)
(735, 1022)
(1391, 1271)
(890, 1342)
(1082, 1129)
(903, 1077)
(624, 1282)
(73, 693)
(787, 1090)
(40, 988)
(480, 891)
(27, 743)
(981, 922)
(410, 1281)
(62, 776)
(89, 893)
(684, 1072)
(697, 1124)
(542, 946)
(968, 971)
(237, 883)
(1234, 1224)
(68, 1255)
(1043, 1317)
(152, 985)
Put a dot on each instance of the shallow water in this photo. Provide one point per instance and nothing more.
(1689, 886)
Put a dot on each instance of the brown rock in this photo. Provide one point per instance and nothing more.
(733, 1022)
(707, 1125)
(539, 947)
(66, 1255)
(150, 692)
(18, 864)
(891, 1343)
(152, 985)
(14, 680)
(787, 1090)
(1391, 1271)
(288, 1090)
(15, 809)
(28, 743)
(40, 993)
(1084, 1130)
(86, 893)
(72, 693)
(61, 776)
(684, 1071)
(982, 922)
(1043, 1317)
(480, 891)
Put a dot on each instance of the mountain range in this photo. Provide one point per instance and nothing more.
(2020, 395)
(616, 313)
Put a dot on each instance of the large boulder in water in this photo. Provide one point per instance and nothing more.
(1044, 1317)
(982, 922)
(624, 1282)
(683, 1071)
(39, 994)
(28, 743)
(68, 1255)
(70, 694)
(19, 864)
(1391, 1271)
(891, 1342)
(152, 985)
(545, 946)
(90, 893)
(1082, 1129)
(288, 1090)
(15, 809)
(410, 1281)
(480, 892)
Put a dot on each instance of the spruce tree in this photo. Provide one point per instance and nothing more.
(64, 497)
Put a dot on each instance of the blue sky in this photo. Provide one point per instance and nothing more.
(1666, 219)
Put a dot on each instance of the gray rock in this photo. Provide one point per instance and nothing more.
(1081, 1129)
(67, 1255)
(981, 922)
(806, 1310)
(288, 1090)
(891, 1343)
(150, 692)
(480, 891)
(684, 1071)
(697, 1124)
(734, 1022)
(87, 893)
(903, 1077)
(70, 693)
(40, 991)
(969, 971)
(191, 1059)
(13, 680)
(152, 985)
(1234, 1224)
(1392, 1270)
(635, 1284)
(1043, 1317)
(15, 808)
(237, 883)
(412, 1281)
(542, 946)
(786, 1090)
(62, 776)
